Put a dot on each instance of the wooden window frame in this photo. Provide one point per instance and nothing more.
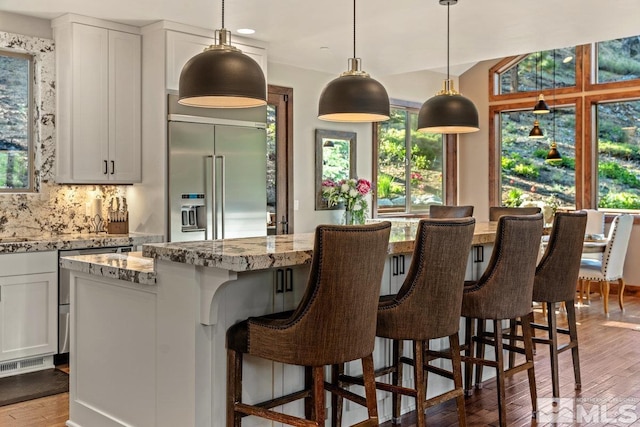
(450, 150)
(495, 150)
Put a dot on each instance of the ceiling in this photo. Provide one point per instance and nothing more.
(393, 37)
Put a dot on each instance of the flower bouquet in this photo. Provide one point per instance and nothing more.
(350, 192)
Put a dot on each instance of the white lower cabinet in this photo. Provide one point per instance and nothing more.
(28, 305)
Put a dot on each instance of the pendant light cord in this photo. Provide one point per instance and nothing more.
(222, 13)
(354, 28)
(448, 6)
(555, 106)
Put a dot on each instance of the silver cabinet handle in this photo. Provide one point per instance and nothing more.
(113, 167)
(106, 166)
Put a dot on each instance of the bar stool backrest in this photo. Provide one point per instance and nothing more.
(335, 321)
(495, 212)
(505, 289)
(444, 211)
(557, 271)
(428, 303)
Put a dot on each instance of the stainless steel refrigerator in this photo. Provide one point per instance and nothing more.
(217, 173)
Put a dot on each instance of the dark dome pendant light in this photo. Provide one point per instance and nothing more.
(554, 156)
(222, 77)
(354, 96)
(448, 111)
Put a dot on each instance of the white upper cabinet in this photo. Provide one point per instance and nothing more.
(98, 66)
(183, 46)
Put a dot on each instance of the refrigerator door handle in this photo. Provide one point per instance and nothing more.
(210, 194)
(219, 201)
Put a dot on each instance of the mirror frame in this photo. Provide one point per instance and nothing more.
(321, 135)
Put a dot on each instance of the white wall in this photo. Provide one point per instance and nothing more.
(473, 148)
(25, 25)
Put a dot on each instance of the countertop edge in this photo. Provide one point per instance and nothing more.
(129, 267)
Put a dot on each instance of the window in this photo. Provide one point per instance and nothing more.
(16, 164)
(526, 177)
(618, 154)
(534, 72)
(407, 183)
(618, 60)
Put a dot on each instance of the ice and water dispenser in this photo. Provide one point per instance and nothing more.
(193, 209)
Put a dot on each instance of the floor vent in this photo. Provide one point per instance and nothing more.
(25, 365)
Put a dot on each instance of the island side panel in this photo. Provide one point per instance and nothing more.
(113, 353)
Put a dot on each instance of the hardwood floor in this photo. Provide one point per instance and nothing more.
(610, 365)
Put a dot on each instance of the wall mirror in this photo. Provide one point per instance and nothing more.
(335, 159)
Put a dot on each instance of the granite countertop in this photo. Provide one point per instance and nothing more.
(53, 242)
(257, 253)
(130, 266)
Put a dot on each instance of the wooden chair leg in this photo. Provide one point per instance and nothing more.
(368, 375)
(513, 325)
(420, 383)
(456, 364)
(553, 348)
(480, 350)
(605, 286)
(500, 376)
(309, 402)
(396, 379)
(234, 387)
(528, 349)
(573, 341)
(318, 414)
(580, 290)
(336, 400)
(468, 352)
(621, 286)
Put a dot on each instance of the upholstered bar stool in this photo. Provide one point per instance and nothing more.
(334, 323)
(444, 211)
(504, 292)
(555, 280)
(495, 212)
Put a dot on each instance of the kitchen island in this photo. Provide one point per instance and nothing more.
(152, 352)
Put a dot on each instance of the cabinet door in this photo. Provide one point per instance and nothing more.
(28, 315)
(89, 103)
(124, 107)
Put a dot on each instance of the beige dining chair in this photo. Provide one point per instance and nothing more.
(611, 267)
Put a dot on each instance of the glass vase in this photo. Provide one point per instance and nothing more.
(349, 218)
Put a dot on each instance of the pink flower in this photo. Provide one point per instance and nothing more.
(363, 186)
(328, 183)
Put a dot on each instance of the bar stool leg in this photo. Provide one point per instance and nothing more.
(336, 400)
(480, 352)
(317, 373)
(500, 376)
(553, 348)
(621, 286)
(468, 351)
(396, 378)
(234, 387)
(420, 383)
(368, 375)
(456, 364)
(528, 350)
(573, 339)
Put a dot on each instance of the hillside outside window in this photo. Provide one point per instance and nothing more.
(16, 159)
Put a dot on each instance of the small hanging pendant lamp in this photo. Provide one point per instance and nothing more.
(448, 111)
(222, 77)
(536, 132)
(541, 106)
(354, 96)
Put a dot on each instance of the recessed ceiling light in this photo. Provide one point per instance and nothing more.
(246, 31)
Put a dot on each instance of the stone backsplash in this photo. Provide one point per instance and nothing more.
(51, 208)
